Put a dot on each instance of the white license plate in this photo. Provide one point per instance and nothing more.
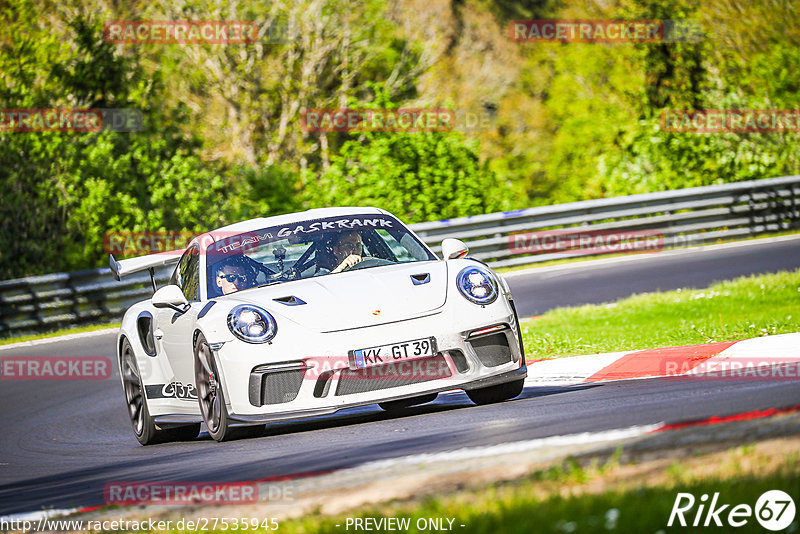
(416, 348)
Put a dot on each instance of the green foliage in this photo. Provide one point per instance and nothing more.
(62, 192)
(655, 160)
(222, 138)
(600, 104)
(586, 127)
(261, 191)
(652, 159)
(675, 72)
(417, 176)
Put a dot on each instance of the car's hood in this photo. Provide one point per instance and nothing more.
(356, 299)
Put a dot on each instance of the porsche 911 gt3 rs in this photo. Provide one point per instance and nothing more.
(306, 314)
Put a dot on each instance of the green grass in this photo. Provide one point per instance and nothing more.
(644, 510)
(591, 499)
(56, 333)
(738, 309)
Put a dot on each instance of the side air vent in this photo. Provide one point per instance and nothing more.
(291, 300)
(144, 327)
(206, 308)
(419, 279)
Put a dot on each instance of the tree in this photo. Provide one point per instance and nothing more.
(417, 176)
(63, 191)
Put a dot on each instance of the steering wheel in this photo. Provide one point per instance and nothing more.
(369, 262)
(286, 275)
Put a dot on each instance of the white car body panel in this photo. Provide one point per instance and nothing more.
(341, 312)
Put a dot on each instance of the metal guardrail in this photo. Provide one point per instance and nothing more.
(42, 303)
(682, 217)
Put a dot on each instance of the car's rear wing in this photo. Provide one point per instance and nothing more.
(120, 268)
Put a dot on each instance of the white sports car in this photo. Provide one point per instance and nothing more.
(306, 314)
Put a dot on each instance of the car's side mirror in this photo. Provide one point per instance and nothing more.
(453, 249)
(170, 297)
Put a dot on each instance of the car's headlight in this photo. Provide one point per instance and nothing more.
(252, 324)
(478, 285)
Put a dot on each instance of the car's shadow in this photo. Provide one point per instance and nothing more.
(372, 413)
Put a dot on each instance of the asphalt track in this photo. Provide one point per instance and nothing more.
(63, 441)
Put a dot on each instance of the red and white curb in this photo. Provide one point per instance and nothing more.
(766, 358)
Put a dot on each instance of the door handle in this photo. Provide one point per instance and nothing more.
(158, 334)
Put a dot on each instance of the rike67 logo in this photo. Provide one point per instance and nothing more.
(774, 510)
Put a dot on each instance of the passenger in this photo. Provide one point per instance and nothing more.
(231, 276)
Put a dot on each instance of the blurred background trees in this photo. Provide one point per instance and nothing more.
(222, 139)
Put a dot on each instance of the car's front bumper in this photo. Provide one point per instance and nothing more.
(311, 376)
(508, 376)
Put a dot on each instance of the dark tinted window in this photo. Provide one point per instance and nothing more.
(187, 274)
(305, 249)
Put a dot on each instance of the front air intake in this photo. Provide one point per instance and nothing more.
(492, 350)
(275, 386)
(392, 375)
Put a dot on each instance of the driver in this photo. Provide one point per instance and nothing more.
(347, 250)
(231, 276)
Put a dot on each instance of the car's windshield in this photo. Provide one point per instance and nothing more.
(309, 248)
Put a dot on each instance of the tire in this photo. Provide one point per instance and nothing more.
(402, 404)
(498, 393)
(209, 394)
(144, 427)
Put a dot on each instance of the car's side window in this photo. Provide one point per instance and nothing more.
(404, 250)
(187, 274)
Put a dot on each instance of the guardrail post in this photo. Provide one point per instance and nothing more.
(751, 204)
(795, 213)
(36, 313)
(75, 306)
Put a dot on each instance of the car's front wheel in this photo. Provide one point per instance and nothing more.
(498, 393)
(209, 392)
(144, 427)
